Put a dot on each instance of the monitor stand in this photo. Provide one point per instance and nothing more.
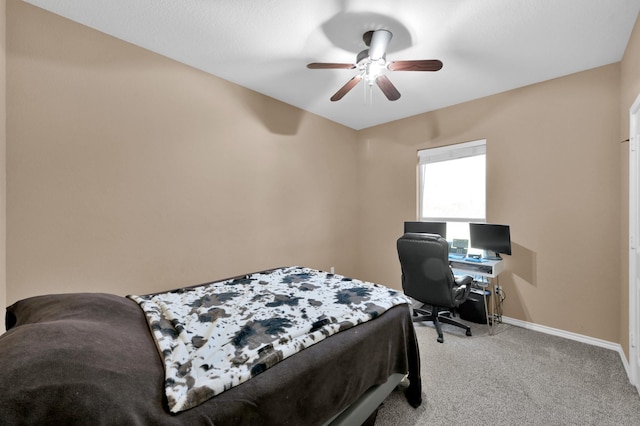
(491, 255)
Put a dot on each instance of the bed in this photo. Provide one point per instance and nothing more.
(95, 358)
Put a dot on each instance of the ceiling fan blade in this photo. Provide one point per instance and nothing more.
(379, 41)
(419, 65)
(387, 87)
(329, 65)
(345, 89)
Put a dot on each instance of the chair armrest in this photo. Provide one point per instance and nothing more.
(464, 280)
(461, 289)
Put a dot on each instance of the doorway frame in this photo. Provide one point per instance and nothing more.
(634, 242)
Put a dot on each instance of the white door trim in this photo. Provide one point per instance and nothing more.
(634, 241)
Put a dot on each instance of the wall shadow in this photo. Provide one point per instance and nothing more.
(278, 117)
(520, 267)
(522, 263)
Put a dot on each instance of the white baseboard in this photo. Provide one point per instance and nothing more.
(572, 336)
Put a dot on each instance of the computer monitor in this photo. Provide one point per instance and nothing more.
(493, 239)
(439, 228)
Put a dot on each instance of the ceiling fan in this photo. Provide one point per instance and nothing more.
(372, 61)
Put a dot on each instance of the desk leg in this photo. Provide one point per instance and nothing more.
(493, 304)
(486, 310)
(496, 303)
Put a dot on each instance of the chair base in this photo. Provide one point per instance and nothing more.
(437, 316)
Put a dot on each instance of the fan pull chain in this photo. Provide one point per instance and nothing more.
(368, 94)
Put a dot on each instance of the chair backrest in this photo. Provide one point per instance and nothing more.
(426, 275)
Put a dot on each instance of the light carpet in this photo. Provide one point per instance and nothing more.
(514, 377)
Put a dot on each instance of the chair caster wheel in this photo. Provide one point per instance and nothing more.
(441, 339)
(468, 332)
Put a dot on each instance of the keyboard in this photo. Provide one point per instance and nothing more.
(474, 259)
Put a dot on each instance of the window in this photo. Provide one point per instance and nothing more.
(452, 186)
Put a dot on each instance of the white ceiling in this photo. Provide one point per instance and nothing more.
(487, 46)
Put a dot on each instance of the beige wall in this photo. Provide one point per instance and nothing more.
(553, 158)
(3, 162)
(132, 173)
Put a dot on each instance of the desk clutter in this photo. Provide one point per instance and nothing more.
(489, 238)
(474, 309)
(472, 253)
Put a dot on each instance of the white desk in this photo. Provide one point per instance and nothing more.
(489, 269)
(486, 268)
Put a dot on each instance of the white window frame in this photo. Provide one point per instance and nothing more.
(444, 153)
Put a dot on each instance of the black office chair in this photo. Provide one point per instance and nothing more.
(427, 278)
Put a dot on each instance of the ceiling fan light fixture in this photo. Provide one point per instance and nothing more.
(372, 70)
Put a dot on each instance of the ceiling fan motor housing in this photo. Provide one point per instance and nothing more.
(379, 42)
